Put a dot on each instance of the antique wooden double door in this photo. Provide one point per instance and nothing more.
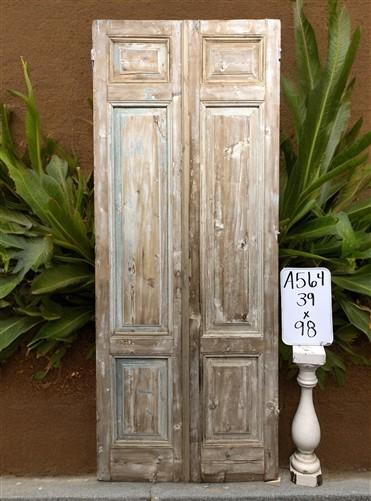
(186, 119)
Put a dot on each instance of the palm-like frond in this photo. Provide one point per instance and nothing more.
(325, 209)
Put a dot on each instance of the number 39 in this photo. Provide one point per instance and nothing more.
(305, 298)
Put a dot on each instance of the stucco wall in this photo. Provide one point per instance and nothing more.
(50, 427)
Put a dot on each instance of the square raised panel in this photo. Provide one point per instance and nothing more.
(233, 59)
(139, 59)
(231, 399)
(142, 407)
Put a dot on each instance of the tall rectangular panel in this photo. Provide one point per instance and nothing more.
(230, 187)
(141, 226)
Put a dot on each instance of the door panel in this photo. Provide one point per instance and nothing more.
(234, 103)
(138, 167)
(186, 174)
(230, 188)
(141, 229)
(143, 398)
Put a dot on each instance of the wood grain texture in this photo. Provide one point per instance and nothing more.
(192, 146)
(140, 289)
(141, 230)
(186, 137)
(233, 59)
(235, 273)
(270, 246)
(230, 206)
(102, 252)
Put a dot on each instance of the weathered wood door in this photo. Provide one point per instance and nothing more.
(186, 175)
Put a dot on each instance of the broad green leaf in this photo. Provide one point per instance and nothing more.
(33, 134)
(69, 229)
(54, 190)
(12, 328)
(60, 277)
(347, 235)
(319, 227)
(73, 319)
(9, 282)
(299, 253)
(12, 216)
(359, 208)
(359, 180)
(358, 317)
(306, 49)
(337, 128)
(333, 173)
(5, 136)
(348, 333)
(37, 252)
(354, 150)
(302, 211)
(11, 241)
(15, 229)
(289, 156)
(50, 309)
(361, 284)
(335, 360)
(31, 311)
(7, 148)
(29, 187)
(296, 103)
(58, 169)
(351, 135)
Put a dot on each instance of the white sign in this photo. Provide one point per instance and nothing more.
(306, 306)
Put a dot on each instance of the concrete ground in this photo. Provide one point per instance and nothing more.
(339, 487)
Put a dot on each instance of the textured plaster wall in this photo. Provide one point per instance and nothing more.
(50, 427)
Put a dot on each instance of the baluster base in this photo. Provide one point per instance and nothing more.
(305, 479)
(305, 469)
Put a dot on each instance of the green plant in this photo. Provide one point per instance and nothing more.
(325, 213)
(46, 241)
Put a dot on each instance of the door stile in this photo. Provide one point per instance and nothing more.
(102, 251)
(194, 63)
(138, 139)
(185, 251)
(271, 231)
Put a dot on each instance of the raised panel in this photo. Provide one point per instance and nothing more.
(233, 59)
(138, 59)
(142, 408)
(140, 157)
(231, 399)
(231, 183)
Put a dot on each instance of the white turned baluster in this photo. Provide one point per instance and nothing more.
(304, 465)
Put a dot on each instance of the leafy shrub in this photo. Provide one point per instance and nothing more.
(325, 203)
(46, 241)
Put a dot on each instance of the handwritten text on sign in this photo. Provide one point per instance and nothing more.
(306, 306)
